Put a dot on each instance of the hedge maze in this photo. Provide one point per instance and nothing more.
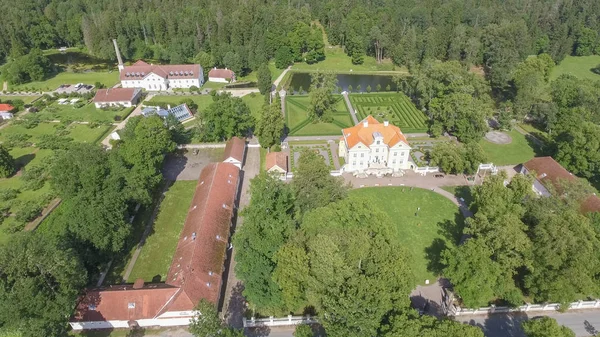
(298, 123)
(396, 108)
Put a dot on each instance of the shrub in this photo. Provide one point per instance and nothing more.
(17, 140)
(54, 142)
(7, 194)
(28, 210)
(117, 118)
(34, 177)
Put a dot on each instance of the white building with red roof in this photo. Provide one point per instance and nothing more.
(126, 97)
(161, 77)
(371, 145)
(197, 269)
(221, 75)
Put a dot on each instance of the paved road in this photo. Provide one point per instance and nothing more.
(350, 108)
(280, 78)
(583, 323)
(137, 111)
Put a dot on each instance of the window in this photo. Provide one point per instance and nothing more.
(361, 163)
(393, 161)
(353, 163)
(395, 154)
(402, 154)
(377, 150)
(131, 305)
(362, 155)
(355, 155)
(378, 142)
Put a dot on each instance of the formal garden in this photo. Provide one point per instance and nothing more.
(299, 124)
(82, 111)
(394, 107)
(32, 144)
(427, 223)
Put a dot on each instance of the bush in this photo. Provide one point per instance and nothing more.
(7, 194)
(15, 226)
(17, 140)
(54, 142)
(194, 88)
(28, 210)
(34, 177)
(117, 118)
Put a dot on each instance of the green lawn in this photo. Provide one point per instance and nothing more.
(394, 107)
(88, 77)
(337, 61)
(213, 85)
(87, 113)
(579, 66)
(463, 192)
(255, 102)
(438, 224)
(251, 77)
(85, 134)
(157, 253)
(203, 101)
(299, 124)
(35, 133)
(517, 152)
(25, 99)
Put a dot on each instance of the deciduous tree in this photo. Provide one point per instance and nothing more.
(7, 163)
(545, 327)
(269, 128)
(264, 79)
(321, 96)
(226, 117)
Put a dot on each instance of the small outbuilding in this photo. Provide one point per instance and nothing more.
(235, 151)
(126, 97)
(6, 111)
(221, 75)
(277, 163)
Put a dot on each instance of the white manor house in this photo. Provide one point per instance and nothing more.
(373, 147)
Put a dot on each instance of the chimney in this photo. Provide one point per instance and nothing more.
(366, 123)
(139, 284)
(120, 65)
(386, 123)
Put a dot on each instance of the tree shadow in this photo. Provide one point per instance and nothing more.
(433, 254)
(452, 230)
(590, 328)
(156, 278)
(236, 307)
(501, 325)
(426, 307)
(23, 160)
(259, 331)
(538, 146)
(174, 164)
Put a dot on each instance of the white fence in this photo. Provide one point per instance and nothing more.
(201, 146)
(525, 308)
(427, 169)
(283, 321)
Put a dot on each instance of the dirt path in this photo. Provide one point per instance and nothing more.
(350, 108)
(136, 112)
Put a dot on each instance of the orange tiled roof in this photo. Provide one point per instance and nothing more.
(364, 134)
(277, 159)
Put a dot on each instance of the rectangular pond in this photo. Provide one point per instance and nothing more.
(302, 80)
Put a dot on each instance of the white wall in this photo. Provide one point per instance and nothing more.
(217, 79)
(104, 104)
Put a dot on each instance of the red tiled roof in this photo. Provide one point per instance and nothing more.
(547, 170)
(124, 303)
(6, 107)
(116, 95)
(364, 134)
(235, 148)
(141, 69)
(198, 263)
(221, 73)
(276, 159)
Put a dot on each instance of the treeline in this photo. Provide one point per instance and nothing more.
(495, 33)
(521, 246)
(43, 272)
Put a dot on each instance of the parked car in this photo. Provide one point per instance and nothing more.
(439, 175)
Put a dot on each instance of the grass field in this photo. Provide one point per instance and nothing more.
(25, 99)
(579, 66)
(296, 118)
(79, 132)
(255, 103)
(518, 151)
(394, 107)
(107, 78)
(87, 113)
(251, 77)
(203, 101)
(336, 60)
(438, 224)
(157, 253)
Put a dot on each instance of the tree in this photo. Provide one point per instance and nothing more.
(39, 284)
(357, 271)
(586, 42)
(461, 115)
(577, 148)
(264, 79)
(283, 57)
(321, 96)
(233, 61)
(531, 81)
(269, 128)
(207, 323)
(303, 330)
(448, 156)
(409, 323)
(313, 186)
(545, 327)
(7, 163)
(226, 117)
(368, 89)
(268, 224)
(378, 87)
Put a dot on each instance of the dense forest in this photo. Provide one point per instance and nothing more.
(494, 33)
